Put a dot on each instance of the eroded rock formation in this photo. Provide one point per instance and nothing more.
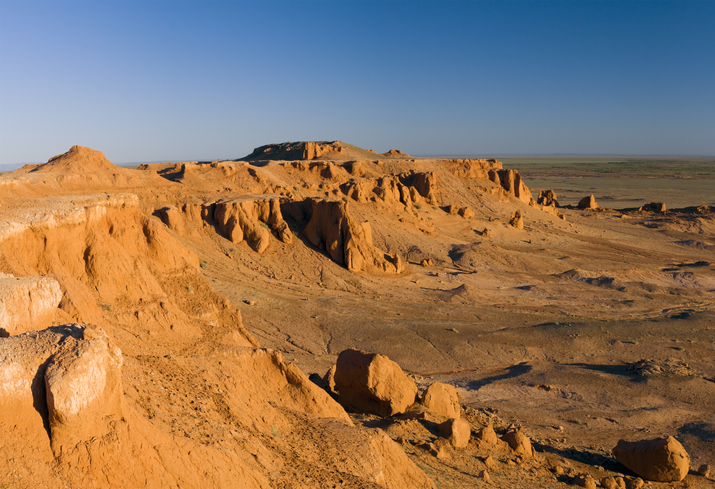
(347, 243)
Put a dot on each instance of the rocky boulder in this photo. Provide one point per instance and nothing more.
(588, 203)
(457, 431)
(442, 400)
(659, 459)
(373, 383)
(518, 442)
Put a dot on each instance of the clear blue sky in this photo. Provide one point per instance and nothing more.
(180, 80)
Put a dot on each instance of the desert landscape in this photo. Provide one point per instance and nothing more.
(315, 315)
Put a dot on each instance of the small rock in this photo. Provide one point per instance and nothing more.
(427, 262)
(466, 212)
(490, 462)
(634, 483)
(487, 437)
(660, 459)
(611, 482)
(558, 470)
(486, 233)
(704, 470)
(485, 475)
(584, 480)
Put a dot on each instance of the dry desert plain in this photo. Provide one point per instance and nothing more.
(173, 325)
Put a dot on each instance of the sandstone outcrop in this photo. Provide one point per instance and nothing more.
(511, 182)
(442, 400)
(587, 203)
(346, 242)
(27, 303)
(547, 198)
(252, 219)
(373, 383)
(409, 189)
(659, 459)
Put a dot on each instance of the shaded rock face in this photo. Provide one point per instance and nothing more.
(27, 303)
(441, 399)
(659, 459)
(346, 242)
(252, 220)
(588, 203)
(373, 383)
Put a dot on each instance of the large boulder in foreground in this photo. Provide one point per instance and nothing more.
(659, 459)
(373, 383)
(27, 303)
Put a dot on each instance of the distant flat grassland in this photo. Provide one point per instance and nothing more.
(620, 182)
(599, 166)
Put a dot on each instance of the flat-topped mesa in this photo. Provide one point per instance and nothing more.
(347, 243)
(314, 150)
(77, 160)
(471, 168)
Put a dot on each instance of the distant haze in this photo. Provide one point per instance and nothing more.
(173, 81)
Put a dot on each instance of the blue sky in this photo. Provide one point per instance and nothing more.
(181, 80)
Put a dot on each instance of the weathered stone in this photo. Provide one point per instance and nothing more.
(516, 220)
(457, 431)
(519, 442)
(588, 203)
(584, 480)
(611, 482)
(660, 459)
(441, 399)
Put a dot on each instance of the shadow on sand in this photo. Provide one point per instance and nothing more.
(510, 373)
